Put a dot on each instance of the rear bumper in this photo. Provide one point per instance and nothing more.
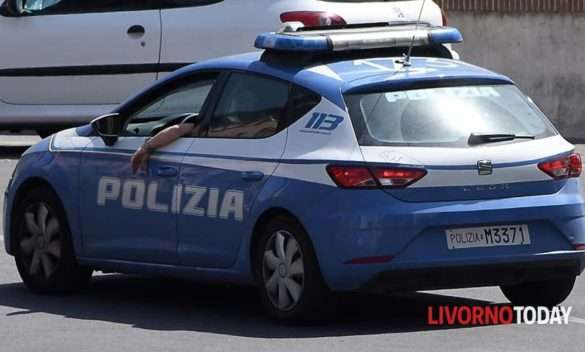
(554, 266)
(412, 238)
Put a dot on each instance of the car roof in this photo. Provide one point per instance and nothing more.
(329, 78)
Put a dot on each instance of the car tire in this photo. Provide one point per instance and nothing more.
(539, 293)
(44, 251)
(291, 286)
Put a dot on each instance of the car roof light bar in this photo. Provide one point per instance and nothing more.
(294, 37)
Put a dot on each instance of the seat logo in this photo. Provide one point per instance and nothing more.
(485, 167)
(323, 123)
(188, 200)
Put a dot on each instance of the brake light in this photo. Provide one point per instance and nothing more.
(364, 177)
(445, 19)
(352, 176)
(570, 166)
(580, 247)
(398, 178)
(313, 18)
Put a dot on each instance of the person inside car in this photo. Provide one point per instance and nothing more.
(167, 136)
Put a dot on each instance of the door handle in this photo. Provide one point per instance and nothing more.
(252, 175)
(167, 172)
(136, 31)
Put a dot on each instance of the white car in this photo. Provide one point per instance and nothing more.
(64, 62)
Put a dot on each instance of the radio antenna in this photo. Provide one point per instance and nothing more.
(406, 61)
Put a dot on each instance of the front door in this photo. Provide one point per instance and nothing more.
(130, 216)
(78, 52)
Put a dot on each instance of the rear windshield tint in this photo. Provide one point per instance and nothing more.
(445, 116)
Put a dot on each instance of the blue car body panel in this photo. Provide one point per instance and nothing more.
(408, 226)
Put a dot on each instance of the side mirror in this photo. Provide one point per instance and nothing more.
(12, 8)
(108, 127)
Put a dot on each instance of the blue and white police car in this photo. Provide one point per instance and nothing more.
(327, 163)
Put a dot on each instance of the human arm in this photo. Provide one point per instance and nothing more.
(162, 139)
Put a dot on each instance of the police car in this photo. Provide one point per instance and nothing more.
(329, 162)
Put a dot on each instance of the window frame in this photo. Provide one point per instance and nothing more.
(146, 5)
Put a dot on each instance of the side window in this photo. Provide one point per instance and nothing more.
(48, 7)
(42, 7)
(251, 106)
(174, 107)
(302, 101)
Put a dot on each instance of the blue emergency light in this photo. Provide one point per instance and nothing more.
(296, 38)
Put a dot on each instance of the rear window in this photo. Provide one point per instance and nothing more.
(445, 116)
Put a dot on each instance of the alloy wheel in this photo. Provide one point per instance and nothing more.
(283, 270)
(41, 240)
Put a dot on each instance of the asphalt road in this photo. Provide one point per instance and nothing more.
(129, 313)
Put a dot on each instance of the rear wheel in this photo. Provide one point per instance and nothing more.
(539, 293)
(288, 275)
(44, 251)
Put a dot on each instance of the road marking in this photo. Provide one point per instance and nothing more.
(577, 320)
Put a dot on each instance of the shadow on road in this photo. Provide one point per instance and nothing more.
(12, 152)
(171, 305)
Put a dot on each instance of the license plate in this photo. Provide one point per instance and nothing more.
(488, 236)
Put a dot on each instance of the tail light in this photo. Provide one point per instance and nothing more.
(566, 167)
(580, 247)
(377, 177)
(313, 18)
(445, 19)
(352, 176)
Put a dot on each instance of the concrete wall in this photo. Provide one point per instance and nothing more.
(543, 53)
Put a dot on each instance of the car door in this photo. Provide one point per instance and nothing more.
(196, 30)
(131, 216)
(78, 52)
(225, 170)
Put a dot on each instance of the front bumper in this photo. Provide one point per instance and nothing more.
(554, 266)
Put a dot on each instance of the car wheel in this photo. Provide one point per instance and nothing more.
(540, 293)
(44, 250)
(288, 275)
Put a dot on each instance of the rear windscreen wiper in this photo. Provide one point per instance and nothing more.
(476, 138)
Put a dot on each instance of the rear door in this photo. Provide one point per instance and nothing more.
(196, 30)
(78, 52)
(430, 129)
(225, 170)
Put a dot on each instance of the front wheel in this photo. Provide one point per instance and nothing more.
(539, 293)
(288, 275)
(44, 250)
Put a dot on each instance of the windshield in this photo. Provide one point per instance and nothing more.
(445, 116)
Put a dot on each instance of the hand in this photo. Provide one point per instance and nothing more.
(140, 159)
